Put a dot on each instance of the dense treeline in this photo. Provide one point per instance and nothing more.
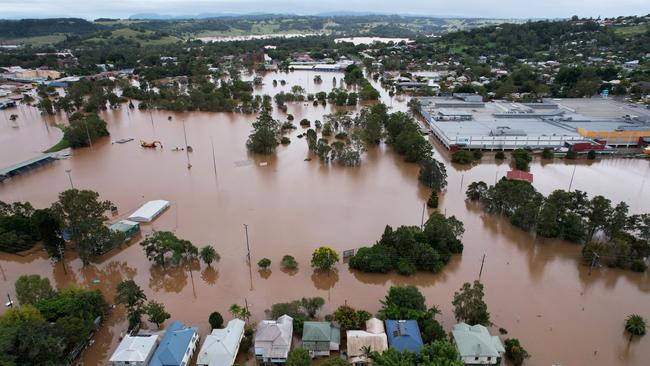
(611, 235)
(410, 248)
(48, 326)
(43, 27)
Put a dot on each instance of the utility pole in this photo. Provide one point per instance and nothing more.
(572, 174)
(248, 248)
(214, 163)
(60, 248)
(481, 271)
(88, 134)
(70, 178)
(424, 207)
(187, 151)
(10, 303)
(593, 262)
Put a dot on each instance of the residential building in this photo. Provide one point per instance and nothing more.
(372, 339)
(476, 346)
(177, 346)
(135, 350)
(319, 338)
(273, 339)
(221, 346)
(404, 335)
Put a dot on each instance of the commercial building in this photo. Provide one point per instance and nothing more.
(465, 121)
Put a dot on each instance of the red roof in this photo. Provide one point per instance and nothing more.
(519, 175)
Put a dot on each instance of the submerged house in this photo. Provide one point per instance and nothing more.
(476, 346)
(404, 335)
(319, 338)
(127, 227)
(361, 342)
(273, 339)
(177, 346)
(149, 211)
(221, 346)
(135, 350)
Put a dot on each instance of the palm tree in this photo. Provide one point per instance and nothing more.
(208, 255)
(635, 324)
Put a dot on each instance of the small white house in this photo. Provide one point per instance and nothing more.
(221, 346)
(273, 339)
(476, 346)
(149, 211)
(135, 350)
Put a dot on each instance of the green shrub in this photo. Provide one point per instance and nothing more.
(216, 320)
(571, 155)
(289, 262)
(591, 155)
(515, 352)
(285, 140)
(264, 263)
(305, 122)
(462, 157)
(499, 155)
(547, 153)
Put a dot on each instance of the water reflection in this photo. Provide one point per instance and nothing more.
(210, 275)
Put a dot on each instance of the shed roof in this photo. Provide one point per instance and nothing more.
(404, 335)
(476, 341)
(149, 211)
(173, 345)
(220, 347)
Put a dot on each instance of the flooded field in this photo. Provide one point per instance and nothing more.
(535, 288)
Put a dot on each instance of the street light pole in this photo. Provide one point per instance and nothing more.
(70, 178)
(248, 248)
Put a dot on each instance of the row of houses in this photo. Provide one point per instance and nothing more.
(274, 338)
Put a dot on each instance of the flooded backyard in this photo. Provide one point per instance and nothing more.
(537, 289)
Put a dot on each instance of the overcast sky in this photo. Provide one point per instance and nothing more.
(91, 9)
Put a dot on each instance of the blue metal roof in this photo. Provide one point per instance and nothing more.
(404, 335)
(173, 345)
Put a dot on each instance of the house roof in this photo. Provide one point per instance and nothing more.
(221, 346)
(404, 335)
(173, 345)
(476, 341)
(135, 348)
(273, 337)
(320, 332)
(516, 174)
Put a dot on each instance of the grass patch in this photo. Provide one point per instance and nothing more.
(36, 41)
(144, 37)
(62, 144)
(630, 31)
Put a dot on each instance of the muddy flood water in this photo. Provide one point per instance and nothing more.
(537, 289)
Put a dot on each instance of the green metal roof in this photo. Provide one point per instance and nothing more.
(476, 341)
(320, 332)
(25, 163)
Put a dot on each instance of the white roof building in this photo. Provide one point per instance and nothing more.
(135, 350)
(373, 337)
(273, 339)
(221, 346)
(149, 211)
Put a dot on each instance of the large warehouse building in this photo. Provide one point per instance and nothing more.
(465, 121)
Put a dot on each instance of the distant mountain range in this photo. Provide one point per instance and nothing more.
(156, 16)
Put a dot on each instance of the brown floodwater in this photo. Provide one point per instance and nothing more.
(537, 289)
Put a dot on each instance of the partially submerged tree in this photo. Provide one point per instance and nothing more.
(216, 320)
(83, 217)
(264, 137)
(133, 298)
(469, 306)
(163, 246)
(208, 255)
(324, 258)
(157, 313)
(30, 289)
(635, 325)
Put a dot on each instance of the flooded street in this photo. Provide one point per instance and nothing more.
(537, 289)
